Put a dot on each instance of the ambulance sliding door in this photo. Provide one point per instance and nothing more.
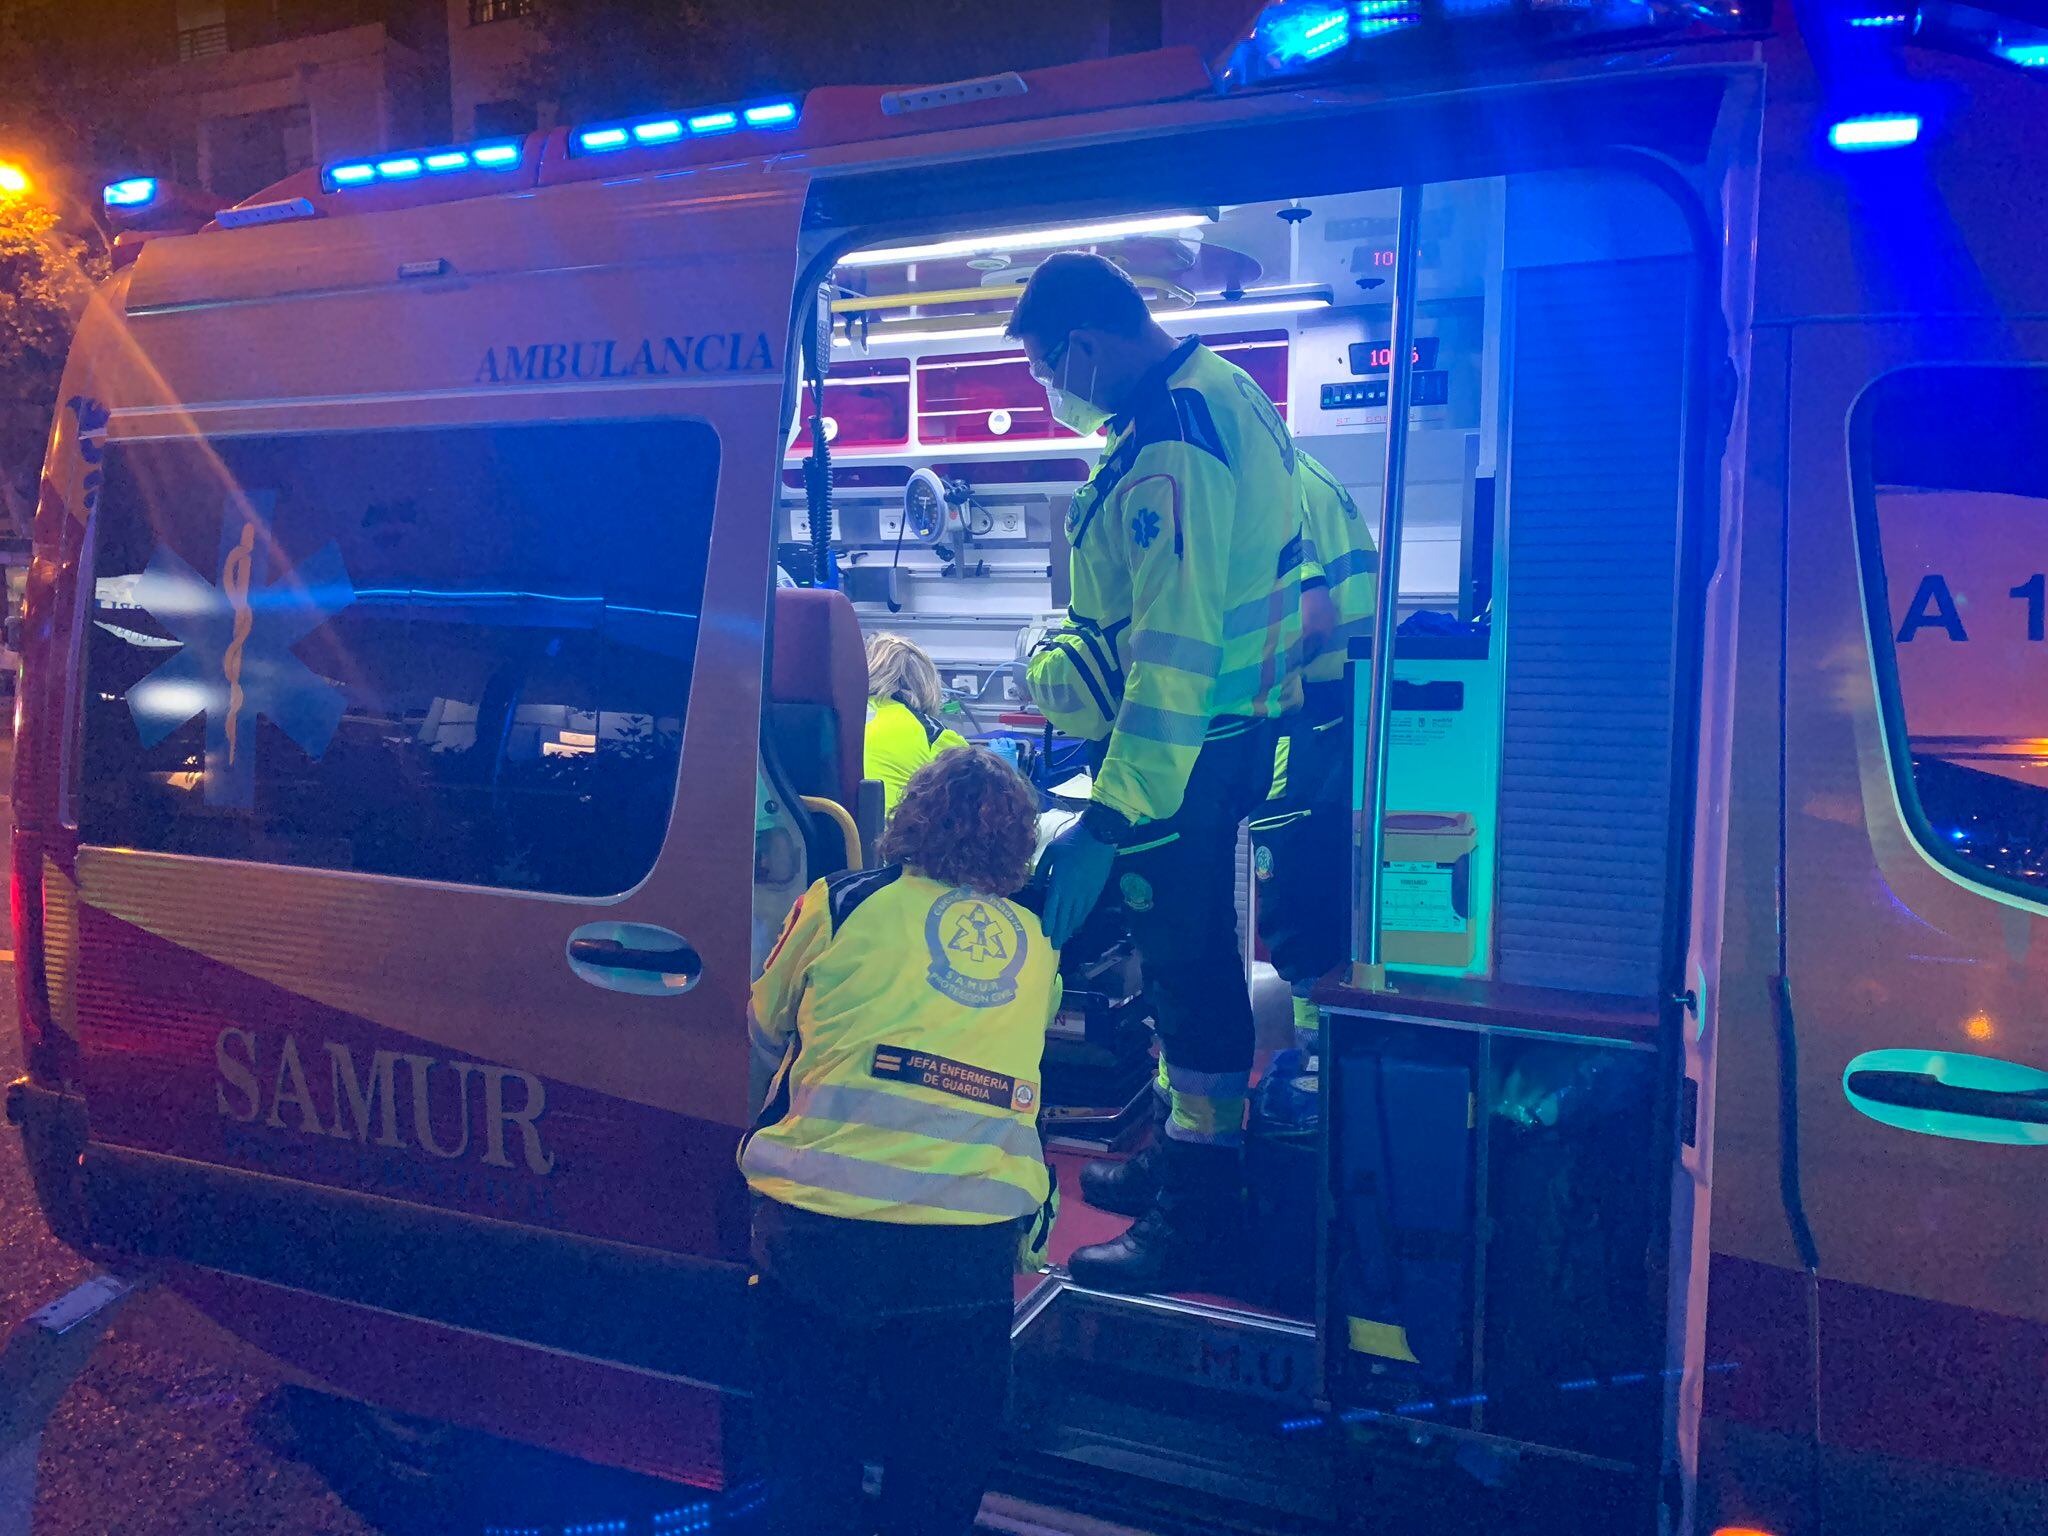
(408, 912)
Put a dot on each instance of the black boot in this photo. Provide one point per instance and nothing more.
(1191, 1240)
(1130, 1187)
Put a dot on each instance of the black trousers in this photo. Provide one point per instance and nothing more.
(1178, 882)
(890, 1346)
(1301, 843)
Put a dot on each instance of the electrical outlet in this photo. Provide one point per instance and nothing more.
(800, 525)
(1010, 694)
(1008, 524)
(891, 524)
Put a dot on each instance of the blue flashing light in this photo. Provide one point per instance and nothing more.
(133, 192)
(773, 114)
(661, 131)
(353, 175)
(2026, 55)
(1886, 22)
(448, 160)
(404, 168)
(1305, 35)
(1890, 130)
(497, 154)
(604, 138)
(714, 122)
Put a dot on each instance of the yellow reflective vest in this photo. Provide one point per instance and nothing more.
(1186, 553)
(1337, 553)
(899, 742)
(907, 1019)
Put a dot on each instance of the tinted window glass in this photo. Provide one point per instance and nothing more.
(449, 654)
(1953, 511)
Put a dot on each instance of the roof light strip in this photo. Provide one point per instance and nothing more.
(650, 131)
(412, 164)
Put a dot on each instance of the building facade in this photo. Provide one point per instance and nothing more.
(491, 46)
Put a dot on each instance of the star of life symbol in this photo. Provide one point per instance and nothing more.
(975, 937)
(977, 946)
(237, 664)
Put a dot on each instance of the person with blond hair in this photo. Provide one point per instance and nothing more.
(904, 703)
(896, 1160)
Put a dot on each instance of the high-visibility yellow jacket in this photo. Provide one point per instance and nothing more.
(1186, 552)
(899, 742)
(908, 1021)
(1338, 554)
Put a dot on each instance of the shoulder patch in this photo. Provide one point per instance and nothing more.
(849, 888)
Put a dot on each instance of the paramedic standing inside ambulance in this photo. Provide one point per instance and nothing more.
(897, 1158)
(1178, 659)
(1301, 842)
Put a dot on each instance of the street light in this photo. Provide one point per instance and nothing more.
(13, 179)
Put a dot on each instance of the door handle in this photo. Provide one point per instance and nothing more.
(634, 957)
(1951, 1094)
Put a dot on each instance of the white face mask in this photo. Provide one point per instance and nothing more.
(1073, 409)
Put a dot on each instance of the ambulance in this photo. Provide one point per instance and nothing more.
(411, 631)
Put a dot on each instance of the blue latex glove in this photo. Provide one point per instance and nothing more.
(1076, 866)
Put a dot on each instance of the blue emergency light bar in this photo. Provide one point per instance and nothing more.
(134, 192)
(1296, 38)
(413, 164)
(1893, 130)
(602, 138)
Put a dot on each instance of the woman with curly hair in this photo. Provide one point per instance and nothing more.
(897, 1159)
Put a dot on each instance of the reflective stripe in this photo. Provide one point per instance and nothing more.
(1212, 1121)
(1151, 723)
(1353, 562)
(1177, 651)
(1213, 1085)
(1261, 612)
(881, 1109)
(970, 1194)
(1262, 677)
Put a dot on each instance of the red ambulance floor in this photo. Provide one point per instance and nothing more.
(1081, 1224)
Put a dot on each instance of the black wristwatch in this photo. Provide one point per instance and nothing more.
(1105, 823)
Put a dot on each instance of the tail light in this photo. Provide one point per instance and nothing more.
(25, 898)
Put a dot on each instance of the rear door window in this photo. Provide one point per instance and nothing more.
(457, 654)
(1952, 509)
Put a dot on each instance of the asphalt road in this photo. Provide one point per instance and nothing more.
(167, 1432)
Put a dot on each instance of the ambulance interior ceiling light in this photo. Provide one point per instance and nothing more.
(1029, 239)
(410, 165)
(651, 131)
(133, 192)
(1256, 301)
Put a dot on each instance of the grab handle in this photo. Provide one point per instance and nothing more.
(1952, 1094)
(634, 957)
